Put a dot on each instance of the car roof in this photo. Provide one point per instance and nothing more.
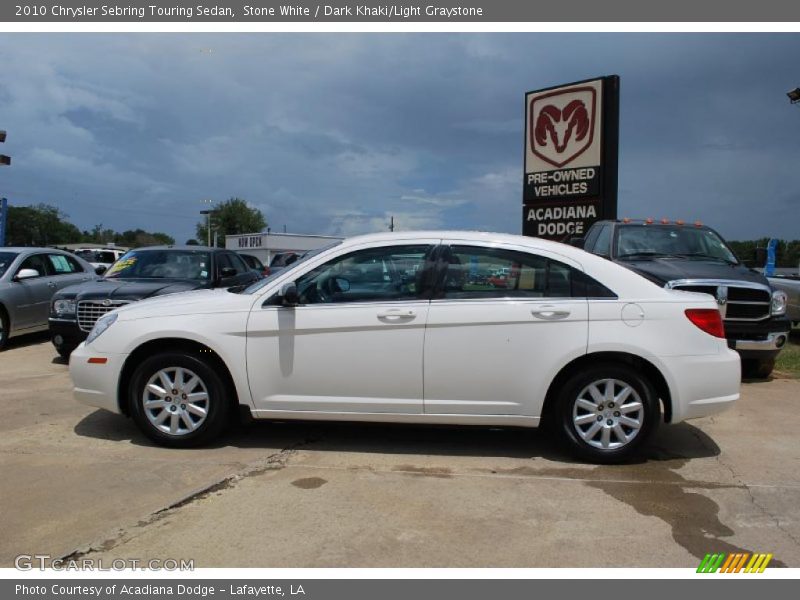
(20, 249)
(656, 223)
(475, 236)
(178, 247)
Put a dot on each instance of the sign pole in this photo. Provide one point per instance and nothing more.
(3, 218)
(772, 247)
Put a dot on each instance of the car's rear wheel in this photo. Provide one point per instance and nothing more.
(605, 413)
(178, 400)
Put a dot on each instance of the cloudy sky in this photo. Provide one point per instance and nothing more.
(333, 133)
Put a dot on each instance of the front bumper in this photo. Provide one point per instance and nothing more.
(758, 340)
(96, 383)
(65, 333)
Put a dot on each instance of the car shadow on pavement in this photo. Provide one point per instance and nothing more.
(674, 442)
(28, 339)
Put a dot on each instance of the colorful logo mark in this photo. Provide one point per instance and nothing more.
(743, 562)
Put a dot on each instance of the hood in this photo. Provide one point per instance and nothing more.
(663, 270)
(205, 301)
(128, 289)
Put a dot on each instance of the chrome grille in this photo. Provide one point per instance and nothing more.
(737, 300)
(91, 310)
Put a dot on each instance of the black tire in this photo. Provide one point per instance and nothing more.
(65, 351)
(4, 328)
(217, 406)
(568, 409)
(757, 368)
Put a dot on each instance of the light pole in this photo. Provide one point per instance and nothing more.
(6, 162)
(207, 213)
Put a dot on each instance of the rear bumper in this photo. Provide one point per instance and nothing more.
(96, 383)
(703, 385)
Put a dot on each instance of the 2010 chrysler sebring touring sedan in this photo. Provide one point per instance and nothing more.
(405, 327)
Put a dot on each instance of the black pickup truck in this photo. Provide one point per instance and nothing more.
(696, 258)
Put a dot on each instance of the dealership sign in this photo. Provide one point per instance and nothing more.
(571, 134)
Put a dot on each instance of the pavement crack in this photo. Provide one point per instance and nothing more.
(774, 518)
(273, 462)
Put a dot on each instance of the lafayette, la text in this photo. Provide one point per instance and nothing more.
(149, 589)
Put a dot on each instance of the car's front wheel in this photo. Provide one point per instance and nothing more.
(178, 400)
(605, 413)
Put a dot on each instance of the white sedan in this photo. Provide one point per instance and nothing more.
(418, 328)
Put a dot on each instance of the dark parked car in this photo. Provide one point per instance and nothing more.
(28, 279)
(695, 258)
(139, 274)
(255, 264)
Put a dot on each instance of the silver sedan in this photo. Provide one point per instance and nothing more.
(790, 285)
(28, 279)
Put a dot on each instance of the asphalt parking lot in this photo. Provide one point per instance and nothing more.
(84, 483)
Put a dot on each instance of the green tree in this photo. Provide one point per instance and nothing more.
(137, 238)
(40, 225)
(231, 217)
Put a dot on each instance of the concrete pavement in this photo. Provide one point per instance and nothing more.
(82, 482)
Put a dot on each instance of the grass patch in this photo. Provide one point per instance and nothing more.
(789, 359)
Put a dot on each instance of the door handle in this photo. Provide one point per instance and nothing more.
(397, 313)
(550, 313)
(51, 284)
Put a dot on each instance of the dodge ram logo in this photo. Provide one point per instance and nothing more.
(562, 124)
(722, 300)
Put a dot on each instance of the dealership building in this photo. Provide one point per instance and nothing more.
(266, 245)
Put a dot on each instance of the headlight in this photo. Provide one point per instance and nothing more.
(102, 324)
(64, 307)
(779, 301)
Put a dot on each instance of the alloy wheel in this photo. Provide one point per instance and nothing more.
(608, 414)
(176, 401)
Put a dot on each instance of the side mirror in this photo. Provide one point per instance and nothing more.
(100, 269)
(761, 257)
(289, 295)
(578, 242)
(227, 272)
(26, 274)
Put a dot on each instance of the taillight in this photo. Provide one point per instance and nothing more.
(707, 319)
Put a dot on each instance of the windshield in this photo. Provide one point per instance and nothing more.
(162, 264)
(96, 256)
(638, 241)
(261, 283)
(6, 258)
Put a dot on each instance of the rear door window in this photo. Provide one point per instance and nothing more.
(64, 265)
(476, 272)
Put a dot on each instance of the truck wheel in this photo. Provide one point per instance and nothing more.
(757, 368)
